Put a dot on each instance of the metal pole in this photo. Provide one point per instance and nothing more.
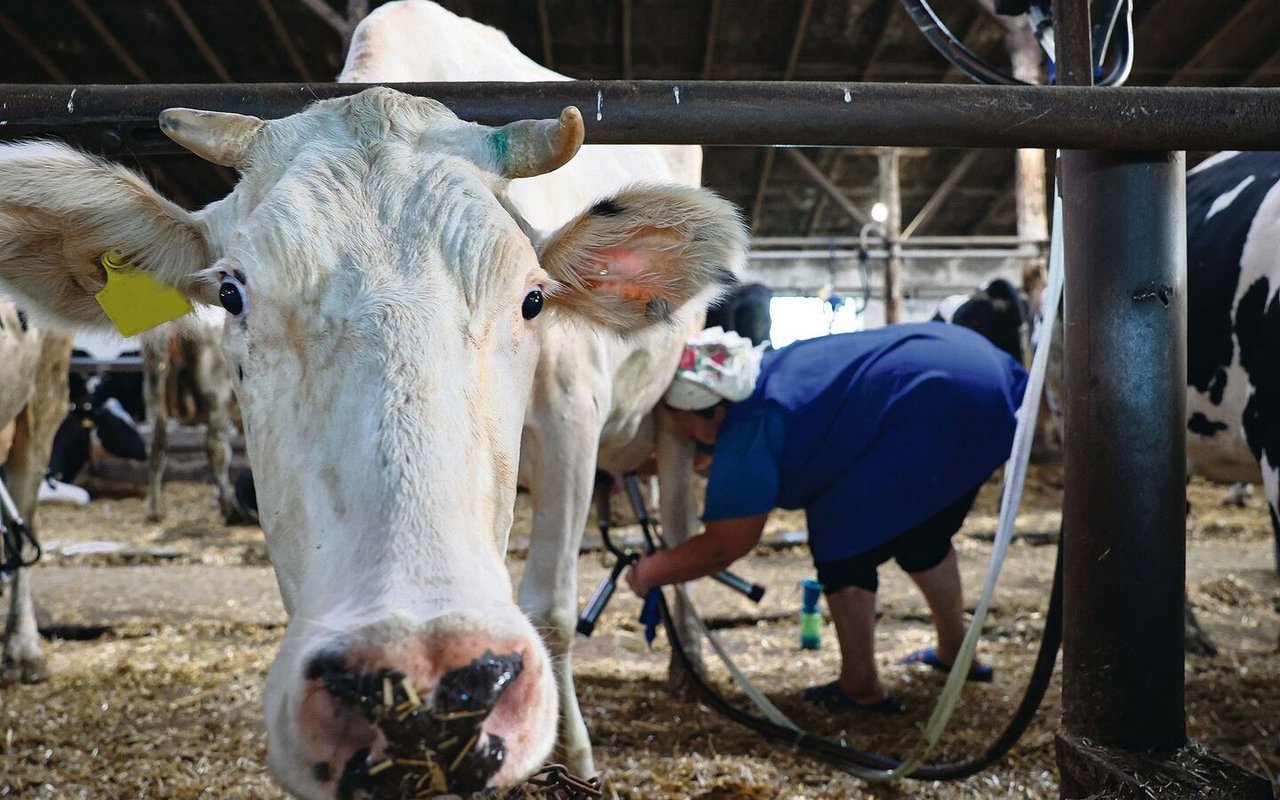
(123, 118)
(1124, 507)
(1124, 513)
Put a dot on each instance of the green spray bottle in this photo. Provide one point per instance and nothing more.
(810, 617)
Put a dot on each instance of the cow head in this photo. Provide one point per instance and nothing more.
(383, 302)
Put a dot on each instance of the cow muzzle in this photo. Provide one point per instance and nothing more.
(445, 715)
(436, 743)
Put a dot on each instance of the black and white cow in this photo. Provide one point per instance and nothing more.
(745, 311)
(997, 310)
(1233, 322)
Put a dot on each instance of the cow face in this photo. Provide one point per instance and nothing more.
(383, 306)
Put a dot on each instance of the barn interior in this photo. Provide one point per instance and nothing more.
(812, 204)
(185, 674)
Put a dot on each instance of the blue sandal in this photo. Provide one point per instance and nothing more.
(831, 697)
(978, 673)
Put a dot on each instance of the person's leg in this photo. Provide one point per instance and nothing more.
(853, 611)
(926, 554)
(850, 586)
(942, 590)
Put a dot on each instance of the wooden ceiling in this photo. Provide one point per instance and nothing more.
(1178, 42)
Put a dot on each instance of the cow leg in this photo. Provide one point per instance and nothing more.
(24, 469)
(1273, 489)
(561, 468)
(155, 366)
(678, 512)
(215, 393)
(1195, 640)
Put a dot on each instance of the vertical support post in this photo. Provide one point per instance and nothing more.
(1124, 513)
(1124, 527)
(891, 196)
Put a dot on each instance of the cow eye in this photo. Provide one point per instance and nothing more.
(532, 304)
(233, 296)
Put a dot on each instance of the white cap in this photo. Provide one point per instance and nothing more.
(716, 365)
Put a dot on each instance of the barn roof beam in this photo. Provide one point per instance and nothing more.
(197, 38)
(999, 204)
(793, 58)
(625, 33)
(33, 50)
(827, 185)
(1215, 40)
(111, 42)
(709, 48)
(285, 40)
(940, 195)
(544, 33)
(1267, 74)
(806, 113)
(158, 174)
(335, 20)
(833, 166)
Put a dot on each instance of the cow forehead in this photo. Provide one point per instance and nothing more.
(370, 118)
(388, 206)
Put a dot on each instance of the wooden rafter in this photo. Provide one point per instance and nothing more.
(357, 10)
(111, 42)
(626, 39)
(793, 58)
(33, 51)
(325, 12)
(941, 194)
(197, 38)
(832, 164)
(709, 48)
(284, 39)
(1185, 76)
(544, 30)
(1267, 74)
(833, 191)
(1003, 196)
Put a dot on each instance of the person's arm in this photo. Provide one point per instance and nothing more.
(724, 542)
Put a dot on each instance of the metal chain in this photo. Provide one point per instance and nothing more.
(554, 782)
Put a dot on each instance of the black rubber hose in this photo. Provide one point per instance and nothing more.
(945, 42)
(841, 755)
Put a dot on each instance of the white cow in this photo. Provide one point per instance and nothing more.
(190, 362)
(593, 393)
(33, 402)
(384, 292)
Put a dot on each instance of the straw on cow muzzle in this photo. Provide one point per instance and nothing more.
(432, 748)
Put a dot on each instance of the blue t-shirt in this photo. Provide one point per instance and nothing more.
(899, 422)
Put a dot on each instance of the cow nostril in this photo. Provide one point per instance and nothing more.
(478, 685)
(438, 744)
(324, 664)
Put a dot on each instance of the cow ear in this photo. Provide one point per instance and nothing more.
(61, 210)
(631, 260)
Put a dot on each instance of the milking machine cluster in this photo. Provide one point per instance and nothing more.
(625, 558)
(15, 536)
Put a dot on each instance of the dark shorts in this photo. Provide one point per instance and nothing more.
(920, 548)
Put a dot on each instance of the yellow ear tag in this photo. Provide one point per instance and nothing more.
(134, 300)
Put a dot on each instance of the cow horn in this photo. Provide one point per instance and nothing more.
(216, 136)
(532, 147)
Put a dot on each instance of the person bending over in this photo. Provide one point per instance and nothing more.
(883, 437)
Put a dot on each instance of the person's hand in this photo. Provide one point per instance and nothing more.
(636, 578)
